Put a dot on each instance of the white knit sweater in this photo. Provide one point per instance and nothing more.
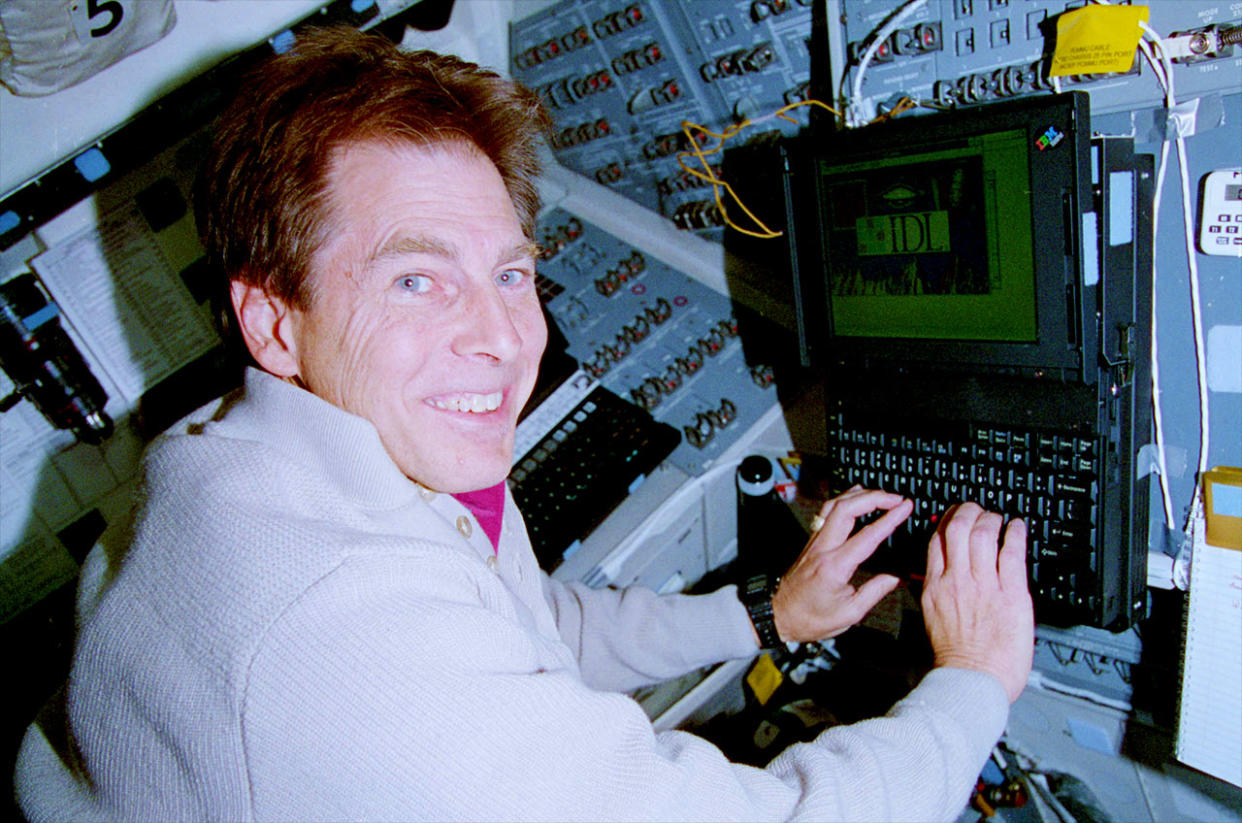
(301, 633)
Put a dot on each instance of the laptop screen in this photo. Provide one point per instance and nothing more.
(933, 245)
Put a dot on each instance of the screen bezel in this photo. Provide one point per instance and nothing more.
(1060, 197)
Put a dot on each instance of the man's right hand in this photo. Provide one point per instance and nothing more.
(976, 604)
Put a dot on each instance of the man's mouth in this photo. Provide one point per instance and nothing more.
(471, 403)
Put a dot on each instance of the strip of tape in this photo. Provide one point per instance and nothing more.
(1148, 460)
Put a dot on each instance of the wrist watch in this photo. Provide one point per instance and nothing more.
(757, 598)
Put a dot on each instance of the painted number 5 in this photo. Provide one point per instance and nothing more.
(112, 8)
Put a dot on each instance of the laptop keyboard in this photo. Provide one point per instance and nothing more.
(1049, 479)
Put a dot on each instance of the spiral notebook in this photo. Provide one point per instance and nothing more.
(1209, 729)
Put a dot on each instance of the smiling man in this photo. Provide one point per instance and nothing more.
(330, 609)
(424, 318)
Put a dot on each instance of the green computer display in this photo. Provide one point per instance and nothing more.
(932, 245)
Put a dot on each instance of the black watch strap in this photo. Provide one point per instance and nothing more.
(757, 598)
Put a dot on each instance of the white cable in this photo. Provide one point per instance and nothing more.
(1163, 67)
(877, 40)
(1165, 77)
(1192, 261)
(1196, 311)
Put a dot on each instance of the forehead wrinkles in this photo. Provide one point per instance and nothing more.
(355, 236)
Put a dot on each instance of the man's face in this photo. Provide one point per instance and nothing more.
(424, 317)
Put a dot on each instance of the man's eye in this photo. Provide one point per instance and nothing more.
(413, 283)
(511, 277)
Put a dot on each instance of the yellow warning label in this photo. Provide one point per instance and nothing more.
(1097, 39)
(764, 678)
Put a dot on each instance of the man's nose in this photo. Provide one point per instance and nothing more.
(487, 326)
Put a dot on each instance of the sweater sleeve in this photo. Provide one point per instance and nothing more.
(396, 689)
(631, 637)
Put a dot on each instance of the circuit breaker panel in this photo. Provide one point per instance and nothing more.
(952, 53)
(655, 337)
(620, 77)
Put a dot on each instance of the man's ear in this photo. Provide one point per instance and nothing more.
(266, 325)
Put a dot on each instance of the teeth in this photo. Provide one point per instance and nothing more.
(473, 403)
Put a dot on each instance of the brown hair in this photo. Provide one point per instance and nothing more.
(260, 200)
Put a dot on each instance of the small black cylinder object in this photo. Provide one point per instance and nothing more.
(768, 534)
(765, 543)
(45, 365)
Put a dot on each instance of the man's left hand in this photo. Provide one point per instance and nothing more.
(815, 599)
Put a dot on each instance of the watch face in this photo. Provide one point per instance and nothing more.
(757, 597)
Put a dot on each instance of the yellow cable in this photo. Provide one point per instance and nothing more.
(717, 184)
(903, 105)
